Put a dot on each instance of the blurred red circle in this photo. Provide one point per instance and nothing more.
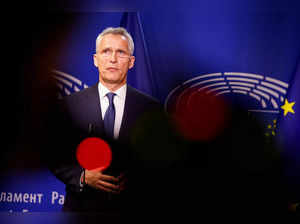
(94, 153)
(200, 115)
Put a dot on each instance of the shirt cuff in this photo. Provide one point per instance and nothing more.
(82, 180)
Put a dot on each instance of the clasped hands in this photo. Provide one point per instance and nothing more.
(104, 182)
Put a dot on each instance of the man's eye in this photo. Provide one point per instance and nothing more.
(107, 51)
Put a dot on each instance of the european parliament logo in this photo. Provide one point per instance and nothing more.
(67, 83)
(267, 91)
(262, 95)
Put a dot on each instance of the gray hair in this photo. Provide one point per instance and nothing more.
(117, 31)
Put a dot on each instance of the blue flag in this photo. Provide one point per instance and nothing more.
(289, 133)
(140, 76)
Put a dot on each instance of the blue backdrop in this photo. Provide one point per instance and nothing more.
(250, 48)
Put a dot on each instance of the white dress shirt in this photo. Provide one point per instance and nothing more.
(119, 103)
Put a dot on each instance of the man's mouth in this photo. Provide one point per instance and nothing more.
(112, 69)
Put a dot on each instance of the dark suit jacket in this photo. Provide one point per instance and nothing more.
(80, 117)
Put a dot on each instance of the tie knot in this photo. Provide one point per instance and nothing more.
(110, 97)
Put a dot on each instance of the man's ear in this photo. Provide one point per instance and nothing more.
(95, 60)
(131, 62)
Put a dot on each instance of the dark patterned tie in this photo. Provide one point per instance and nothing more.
(109, 117)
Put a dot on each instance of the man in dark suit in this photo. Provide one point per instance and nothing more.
(108, 110)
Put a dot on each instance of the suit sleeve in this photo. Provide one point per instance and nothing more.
(61, 149)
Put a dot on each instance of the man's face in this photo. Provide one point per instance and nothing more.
(113, 60)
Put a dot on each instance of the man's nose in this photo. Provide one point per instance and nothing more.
(113, 57)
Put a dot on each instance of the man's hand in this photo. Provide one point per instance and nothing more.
(100, 181)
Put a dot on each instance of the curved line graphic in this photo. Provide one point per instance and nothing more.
(263, 103)
(65, 75)
(218, 88)
(262, 88)
(202, 76)
(249, 75)
(284, 84)
(279, 89)
(67, 91)
(59, 85)
(66, 82)
(243, 79)
(240, 87)
(223, 92)
(255, 96)
(215, 84)
(241, 84)
(261, 93)
(240, 91)
(268, 91)
(206, 81)
(76, 89)
(275, 105)
(169, 96)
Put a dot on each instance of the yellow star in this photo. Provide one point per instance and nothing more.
(288, 107)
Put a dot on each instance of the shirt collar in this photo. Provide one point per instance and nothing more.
(121, 92)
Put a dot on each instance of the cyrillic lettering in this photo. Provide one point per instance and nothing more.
(61, 199)
(3, 196)
(32, 198)
(22, 197)
(40, 198)
(25, 197)
(54, 197)
(9, 197)
(17, 197)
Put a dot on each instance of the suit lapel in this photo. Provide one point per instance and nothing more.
(128, 115)
(94, 110)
